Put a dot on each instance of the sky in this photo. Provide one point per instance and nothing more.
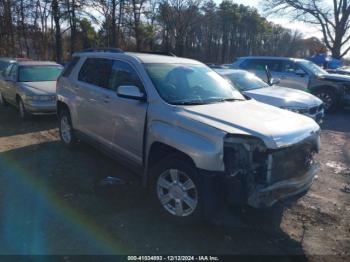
(306, 29)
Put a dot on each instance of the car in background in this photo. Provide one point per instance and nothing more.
(332, 89)
(30, 86)
(287, 98)
(340, 71)
(196, 141)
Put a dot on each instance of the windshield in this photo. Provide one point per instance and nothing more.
(245, 81)
(190, 84)
(39, 73)
(313, 68)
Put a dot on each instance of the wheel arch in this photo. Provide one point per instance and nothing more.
(158, 151)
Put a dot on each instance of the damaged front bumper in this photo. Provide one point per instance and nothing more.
(268, 196)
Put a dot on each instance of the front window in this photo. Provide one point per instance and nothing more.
(313, 68)
(246, 81)
(39, 73)
(190, 84)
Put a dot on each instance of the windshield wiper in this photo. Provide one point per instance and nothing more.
(188, 103)
(226, 100)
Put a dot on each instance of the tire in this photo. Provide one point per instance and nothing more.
(23, 113)
(3, 102)
(66, 130)
(328, 97)
(169, 179)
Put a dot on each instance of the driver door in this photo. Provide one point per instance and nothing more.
(127, 117)
(293, 76)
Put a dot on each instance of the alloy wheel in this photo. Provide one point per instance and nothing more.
(66, 130)
(177, 192)
(327, 99)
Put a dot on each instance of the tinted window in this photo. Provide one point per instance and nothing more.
(123, 74)
(259, 64)
(69, 67)
(38, 73)
(96, 71)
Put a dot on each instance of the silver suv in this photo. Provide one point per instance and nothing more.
(332, 89)
(196, 141)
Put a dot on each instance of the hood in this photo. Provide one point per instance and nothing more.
(276, 127)
(40, 88)
(335, 78)
(282, 96)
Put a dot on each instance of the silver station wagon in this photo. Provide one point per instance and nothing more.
(30, 86)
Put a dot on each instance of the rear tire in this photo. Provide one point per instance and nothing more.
(175, 188)
(66, 130)
(328, 97)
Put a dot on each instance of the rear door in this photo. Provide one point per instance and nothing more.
(92, 110)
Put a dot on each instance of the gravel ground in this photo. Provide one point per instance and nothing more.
(50, 204)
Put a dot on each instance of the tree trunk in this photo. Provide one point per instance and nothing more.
(58, 38)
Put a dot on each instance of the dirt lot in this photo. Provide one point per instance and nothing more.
(50, 205)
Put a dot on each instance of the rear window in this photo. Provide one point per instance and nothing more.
(96, 71)
(69, 67)
(39, 73)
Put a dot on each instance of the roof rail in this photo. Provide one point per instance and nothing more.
(157, 53)
(103, 49)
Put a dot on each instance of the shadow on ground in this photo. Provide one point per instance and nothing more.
(337, 121)
(12, 125)
(50, 205)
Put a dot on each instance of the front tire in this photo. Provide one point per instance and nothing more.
(23, 113)
(66, 130)
(176, 189)
(3, 102)
(328, 97)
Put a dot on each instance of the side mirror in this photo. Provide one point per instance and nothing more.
(131, 92)
(275, 81)
(300, 73)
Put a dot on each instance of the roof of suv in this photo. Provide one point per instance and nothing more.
(143, 57)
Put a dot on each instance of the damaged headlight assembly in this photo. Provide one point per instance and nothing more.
(243, 155)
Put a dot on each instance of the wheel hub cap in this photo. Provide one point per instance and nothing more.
(177, 193)
(65, 130)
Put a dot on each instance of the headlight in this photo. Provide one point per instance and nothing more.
(38, 98)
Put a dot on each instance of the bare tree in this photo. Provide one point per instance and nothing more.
(333, 19)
